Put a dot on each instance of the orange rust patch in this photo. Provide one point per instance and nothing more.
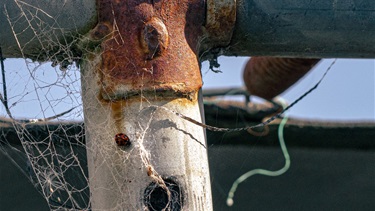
(118, 114)
(221, 18)
(153, 46)
(155, 38)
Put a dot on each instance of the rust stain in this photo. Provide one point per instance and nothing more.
(118, 114)
(221, 18)
(152, 47)
(267, 77)
(155, 38)
(185, 101)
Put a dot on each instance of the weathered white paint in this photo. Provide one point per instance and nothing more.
(176, 148)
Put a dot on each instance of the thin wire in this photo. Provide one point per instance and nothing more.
(280, 135)
(262, 124)
(49, 118)
(265, 172)
(4, 99)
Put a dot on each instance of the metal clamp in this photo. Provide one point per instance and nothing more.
(220, 21)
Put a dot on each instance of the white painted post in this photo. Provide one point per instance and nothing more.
(146, 68)
(163, 146)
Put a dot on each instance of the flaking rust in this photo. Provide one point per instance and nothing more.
(220, 22)
(151, 48)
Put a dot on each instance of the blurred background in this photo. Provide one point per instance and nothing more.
(347, 92)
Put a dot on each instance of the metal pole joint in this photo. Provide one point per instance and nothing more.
(142, 155)
(151, 48)
(220, 22)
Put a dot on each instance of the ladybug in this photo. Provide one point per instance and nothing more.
(122, 140)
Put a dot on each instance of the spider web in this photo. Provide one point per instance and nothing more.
(43, 106)
(39, 99)
(51, 99)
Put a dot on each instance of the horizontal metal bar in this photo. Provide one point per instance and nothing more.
(33, 28)
(304, 28)
(225, 92)
(290, 28)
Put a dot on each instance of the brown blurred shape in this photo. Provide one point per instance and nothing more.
(267, 77)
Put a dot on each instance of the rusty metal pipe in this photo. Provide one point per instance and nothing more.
(268, 77)
(140, 155)
(294, 28)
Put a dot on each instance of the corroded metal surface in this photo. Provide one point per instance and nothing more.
(220, 21)
(267, 77)
(147, 57)
(152, 48)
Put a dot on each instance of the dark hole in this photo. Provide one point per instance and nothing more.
(156, 198)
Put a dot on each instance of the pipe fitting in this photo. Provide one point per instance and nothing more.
(152, 50)
(154, 38)
(220, 22)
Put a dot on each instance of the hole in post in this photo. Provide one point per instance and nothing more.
(156, 198)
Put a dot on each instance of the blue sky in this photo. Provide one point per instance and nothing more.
(347, 93)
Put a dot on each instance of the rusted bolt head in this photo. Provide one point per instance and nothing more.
(100, 31)
(154, 38)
